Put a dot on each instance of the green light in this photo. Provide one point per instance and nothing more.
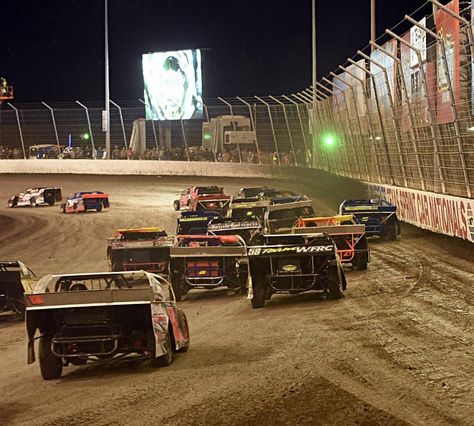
(207, 136)
(329, 139)
(86, 136)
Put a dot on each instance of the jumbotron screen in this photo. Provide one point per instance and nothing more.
(173, 85)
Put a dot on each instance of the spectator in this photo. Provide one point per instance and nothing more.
(116, 153)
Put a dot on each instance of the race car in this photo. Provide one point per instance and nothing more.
(347, 234)
(292, 264)
(200, 198)
(36, 196)
(195, 222)
(15, 279)
(378, 216)
(208, 261)
(103, 317)
(83, 201)
(140, 248)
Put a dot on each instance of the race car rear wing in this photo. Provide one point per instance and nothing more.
(217, 251)
(117, 244)
(291, 205)
(331, 230)
(223, 225)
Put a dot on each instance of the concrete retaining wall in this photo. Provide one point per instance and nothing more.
(142, 167)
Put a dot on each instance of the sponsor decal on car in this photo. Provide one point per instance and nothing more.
(261, 251)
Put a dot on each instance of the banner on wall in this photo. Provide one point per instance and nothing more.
(444, 214)
(448, 28)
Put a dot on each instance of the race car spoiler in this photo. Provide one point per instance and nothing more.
(216, 251)
(136, 244)
(92, 196)
(285, 206)
(232, 225)
(331, 230)
(249, 204)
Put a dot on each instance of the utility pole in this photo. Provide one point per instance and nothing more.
(372, 24)
(106, 115)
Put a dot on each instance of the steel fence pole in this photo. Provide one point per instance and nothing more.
(412, 127)
(152, 125)
(299, 120)
(369, 118)
(351, 132)
(379, 113)
(121, 123)
(233, 124)
(90, 128)
(398, 136)
(287, 127)
(309, 148)
(54, 124)
(185, 140)
(328, 100)
(452, 100)
(359, 124)
(252, 121)
(431, 118)
(273, 128)
(207, 119)
(19, 128)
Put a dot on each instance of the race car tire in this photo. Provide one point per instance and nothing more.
(166, 359)
(12, 203)
(50, 365)
(333, 283)
(99, 208)
(51, 201)
(176, 205)
(391, 231)
(361, 261)
(33, 202)
(258, 288)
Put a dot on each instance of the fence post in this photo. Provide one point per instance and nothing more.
(121, 123)
(371, 128)
(398, 136)
(409, 110)
(54, 124)
(273, 128)
(300, 121)
(253, 127)
(287, 127)
(379, 113)
(452, 100)
(90, 129)
(430, 112)
(152, 125)
(233, 124)
(185, 141)
(19, 128)
(309, 148)
(348, 122)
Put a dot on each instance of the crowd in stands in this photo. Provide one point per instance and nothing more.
(194, 153)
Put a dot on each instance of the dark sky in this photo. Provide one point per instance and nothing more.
(52, 50)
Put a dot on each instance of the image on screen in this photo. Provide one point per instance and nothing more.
(173, 85)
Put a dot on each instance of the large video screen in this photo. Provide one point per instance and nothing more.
(173, 85)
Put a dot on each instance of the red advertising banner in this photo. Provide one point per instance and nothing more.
(448, 28)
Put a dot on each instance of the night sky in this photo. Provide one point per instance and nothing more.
(53, 50)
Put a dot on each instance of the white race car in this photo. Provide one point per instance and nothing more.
(35, 196)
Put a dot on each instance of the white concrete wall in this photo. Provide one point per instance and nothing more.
(142, 167)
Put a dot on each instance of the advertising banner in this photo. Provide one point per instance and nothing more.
(173, 85)
(448, 28)
(444, 214)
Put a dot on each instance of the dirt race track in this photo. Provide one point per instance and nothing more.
(398, 349)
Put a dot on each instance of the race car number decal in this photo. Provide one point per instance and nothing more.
(259, 251)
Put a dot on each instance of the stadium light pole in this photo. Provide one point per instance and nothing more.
(313, 39)
(106, 118)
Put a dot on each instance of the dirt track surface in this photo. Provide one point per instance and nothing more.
(398, 349)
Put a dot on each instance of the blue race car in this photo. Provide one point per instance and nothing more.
(378, 216)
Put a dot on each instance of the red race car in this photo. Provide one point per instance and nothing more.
(83, 201)
(199, 198)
